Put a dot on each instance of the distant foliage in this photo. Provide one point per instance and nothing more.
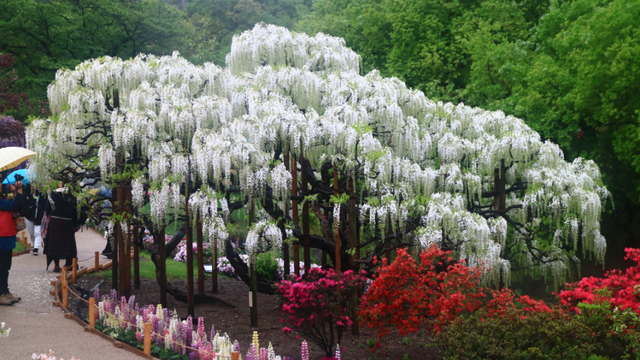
(11, 97)
(12, 132)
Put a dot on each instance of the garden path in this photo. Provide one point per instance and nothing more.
(37, 326)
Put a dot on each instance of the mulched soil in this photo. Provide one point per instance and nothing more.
(236, 322)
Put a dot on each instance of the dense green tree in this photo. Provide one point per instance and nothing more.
(575, 81)
(44, 36)
(221, 19)
(429, 44)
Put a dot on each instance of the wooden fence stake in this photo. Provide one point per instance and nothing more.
(147, 338)
(97, 261)
(74, 270)
(235, 355)
(65, 294)
(92, 313)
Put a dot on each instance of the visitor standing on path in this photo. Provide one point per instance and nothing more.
(60, 241)
(8, 234)
(40, 202)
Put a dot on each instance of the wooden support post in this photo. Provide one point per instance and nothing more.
(92, 312)
(74, 271)
(199, 239)
(294, 214)
(125, 260)
(235, 355)
(136, 257)
(97, 261)
(214, 267)
(253, 285)
(162, 268)
(147, 338)
(65, 294)
(336, 226)
(285, 245)
(353, 259)
(306, 236)
(190, 295)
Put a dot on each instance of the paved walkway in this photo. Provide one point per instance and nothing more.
(37, 326)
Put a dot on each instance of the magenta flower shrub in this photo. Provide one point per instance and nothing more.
(317, 304)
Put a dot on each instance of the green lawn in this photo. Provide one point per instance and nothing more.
(19, 248)
(176, 270)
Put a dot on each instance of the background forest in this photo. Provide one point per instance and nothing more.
(569, 69)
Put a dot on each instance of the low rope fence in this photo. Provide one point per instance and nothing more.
(62, 292)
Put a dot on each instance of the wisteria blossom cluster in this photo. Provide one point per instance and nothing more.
(225, 267)
(49, 356)
(4, 330)
(181, 250)
(118, 316)
(284, 92)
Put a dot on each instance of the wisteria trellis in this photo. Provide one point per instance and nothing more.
(420, 167)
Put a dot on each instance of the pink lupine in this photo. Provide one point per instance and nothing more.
(304, 351)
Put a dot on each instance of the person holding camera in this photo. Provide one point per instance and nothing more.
(8, 234)
(60, 241)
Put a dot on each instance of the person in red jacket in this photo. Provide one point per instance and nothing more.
(8, 239)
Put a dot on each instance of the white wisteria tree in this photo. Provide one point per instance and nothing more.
(290, 122)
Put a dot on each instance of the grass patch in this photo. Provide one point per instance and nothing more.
(176, 270)
(19, 248)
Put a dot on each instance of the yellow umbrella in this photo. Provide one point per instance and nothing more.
(12, 156)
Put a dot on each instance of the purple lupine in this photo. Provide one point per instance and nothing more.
(159, 341)
(114, 295)
(337, 354)
(165, 313)
(182, 328)
(154, 325)
(252, 354)
(146, 315)
(96, 294)
(236, 346)
(132, 302)
(188, 336)
(176, 340)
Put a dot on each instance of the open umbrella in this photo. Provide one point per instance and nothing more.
(11, 178)
(12, 156)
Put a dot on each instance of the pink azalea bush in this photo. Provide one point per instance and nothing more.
(317, 304)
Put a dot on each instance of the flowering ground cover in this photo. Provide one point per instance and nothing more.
(235, 322)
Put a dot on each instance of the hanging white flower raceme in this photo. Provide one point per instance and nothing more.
(137, 192)
(289, 93)
(263, 235)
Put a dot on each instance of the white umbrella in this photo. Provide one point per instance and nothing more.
(12, 156)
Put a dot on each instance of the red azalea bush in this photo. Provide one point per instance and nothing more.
(317, 304)
(622, 288)
(407, 296)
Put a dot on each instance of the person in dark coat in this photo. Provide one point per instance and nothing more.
(60, 241)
